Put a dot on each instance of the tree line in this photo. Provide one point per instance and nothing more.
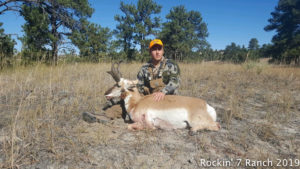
(53, 27)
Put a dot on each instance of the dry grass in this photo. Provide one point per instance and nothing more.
(41, 125)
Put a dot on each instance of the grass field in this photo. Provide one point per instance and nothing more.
(258, 106)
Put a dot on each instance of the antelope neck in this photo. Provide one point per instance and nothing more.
(130, 101)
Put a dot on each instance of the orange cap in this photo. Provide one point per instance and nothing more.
(155, 42)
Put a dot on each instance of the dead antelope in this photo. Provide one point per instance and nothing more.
(173, 112)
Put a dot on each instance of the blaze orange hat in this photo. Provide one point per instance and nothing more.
(155, 42)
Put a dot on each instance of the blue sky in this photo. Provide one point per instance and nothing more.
(228, 20)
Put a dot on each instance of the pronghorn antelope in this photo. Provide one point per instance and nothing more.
(172, 112)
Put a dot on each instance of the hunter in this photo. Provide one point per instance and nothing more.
(159, 76)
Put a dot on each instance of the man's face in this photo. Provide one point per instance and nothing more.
(157, 52)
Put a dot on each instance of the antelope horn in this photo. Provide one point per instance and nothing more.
(119, 69)
(114, 72)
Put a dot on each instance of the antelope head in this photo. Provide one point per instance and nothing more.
(121, 84)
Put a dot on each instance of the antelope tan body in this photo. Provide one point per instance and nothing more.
(172, 112)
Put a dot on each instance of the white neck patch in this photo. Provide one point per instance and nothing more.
(126, 101)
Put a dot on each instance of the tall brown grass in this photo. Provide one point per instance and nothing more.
(40, 106)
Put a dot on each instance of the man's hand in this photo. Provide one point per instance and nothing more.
(158, 96)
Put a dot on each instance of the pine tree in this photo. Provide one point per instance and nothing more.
(253, 44)
(61, 14)
(125, 29)
(37, 35)
(253, 49)
(144, 23)
(92, 40)
(6, 47)
(137, 24)
(183, 32)
(286, 22)
(234, 53)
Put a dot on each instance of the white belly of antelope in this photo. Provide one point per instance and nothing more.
(168, 119)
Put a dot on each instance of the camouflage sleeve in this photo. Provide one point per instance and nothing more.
(172, 77)
(141, 81)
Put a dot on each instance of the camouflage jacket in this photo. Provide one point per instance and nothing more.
(170, 74)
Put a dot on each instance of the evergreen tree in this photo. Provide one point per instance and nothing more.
(183, 32)
(125, 29)
(92, 40)
(137, 25)
(234, 53)
(37, 35)
(286, 22)
(61, 14)
(144, 23)
(265, 51)
(253, 44)
(253, 47)
(6, 47)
